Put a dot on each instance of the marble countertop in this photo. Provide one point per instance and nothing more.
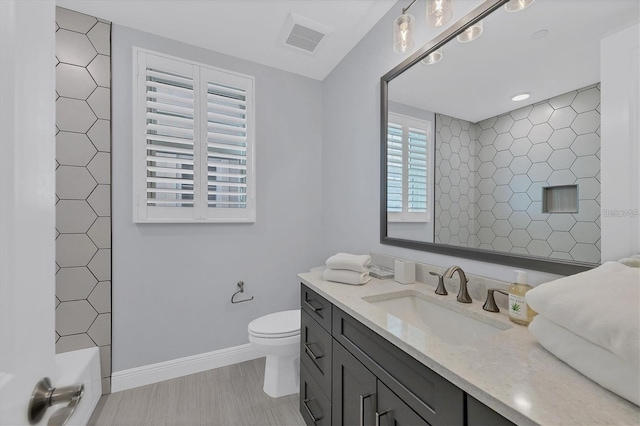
(509, 372)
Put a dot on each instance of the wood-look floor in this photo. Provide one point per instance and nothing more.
(230, 395)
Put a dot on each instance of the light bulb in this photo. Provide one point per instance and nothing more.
(517, 5)
(433, 57)
(471, 33)
(403, 33)
(439, 12)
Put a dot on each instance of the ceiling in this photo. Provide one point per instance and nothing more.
(247, 29)
(476, 80)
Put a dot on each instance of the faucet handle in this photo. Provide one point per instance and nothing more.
(490, 304)
(440, 290)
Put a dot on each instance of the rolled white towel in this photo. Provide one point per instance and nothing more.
(600, 305)
(595, 362)
(346, 277)
(351, 262)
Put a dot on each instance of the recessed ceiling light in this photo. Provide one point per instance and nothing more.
(539, 34)
(520, 97)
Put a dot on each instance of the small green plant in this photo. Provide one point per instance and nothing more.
(515, 307)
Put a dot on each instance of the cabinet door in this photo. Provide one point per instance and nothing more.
(354, 390)
(392, 411)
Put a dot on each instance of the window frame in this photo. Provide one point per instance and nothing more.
(200, 212)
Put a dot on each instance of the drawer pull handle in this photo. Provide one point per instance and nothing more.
(313, 308)
(362, 398)
(310, 352)
(379, 416)
(313, 418)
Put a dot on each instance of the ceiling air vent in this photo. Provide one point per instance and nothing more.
(303, 34)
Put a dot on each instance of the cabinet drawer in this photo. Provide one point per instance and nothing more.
(316, 306)
(432, 397)
(479, 414)
(314, 405)
(393, 411)
(315, 352)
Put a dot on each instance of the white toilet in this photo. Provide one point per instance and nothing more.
(277, 336)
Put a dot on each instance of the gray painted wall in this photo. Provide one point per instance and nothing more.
(172, 283)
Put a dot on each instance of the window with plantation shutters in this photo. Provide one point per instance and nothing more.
(408, 142)
(193, 142)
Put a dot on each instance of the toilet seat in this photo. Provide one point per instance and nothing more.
(277, 325)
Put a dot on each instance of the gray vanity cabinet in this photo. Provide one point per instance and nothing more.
(354, 390)
(392, 411)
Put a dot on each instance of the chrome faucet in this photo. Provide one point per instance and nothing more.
(463, 294)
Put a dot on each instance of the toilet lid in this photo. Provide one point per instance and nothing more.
(278, 324)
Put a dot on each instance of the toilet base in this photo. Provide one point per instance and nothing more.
(282, 375)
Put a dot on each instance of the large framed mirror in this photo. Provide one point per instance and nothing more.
(471, 169)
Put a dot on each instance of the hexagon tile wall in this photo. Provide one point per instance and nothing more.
(490, 175)
(83, 186)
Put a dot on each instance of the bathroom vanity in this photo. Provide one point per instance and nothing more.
(364, 362)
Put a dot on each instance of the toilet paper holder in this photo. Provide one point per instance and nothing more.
(241, 290)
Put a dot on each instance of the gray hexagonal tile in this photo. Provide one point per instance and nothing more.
(445, 185)
(519, 238)
(520, 183)
(74, 216)
(100, 103)
(586, 253)
(445, 218)
(486, 170)
(455, 127)
(520, 201)
(539, 230)
(488, 123)
(73, 183)
(455, 144)
(561, 177)
(520, 165)
(562, 138)
(588, 188)
(74, 317)
(586, 122)
(74, 149)
(540, 113)
(486, 219)
(487, 137)
(539, 172)
(585, 232)
(540, 152)
(561, 159)
(100, 330)
(521, 113)
(100, 232)
(588, 211)
(74, 48)
(519, 220)
(502, 211)
(486, 236)
(445, 168)
(503, 124)
(502, 228)
(463, 235)
(74, 21)
(502, 193)
(586, 167)
(100, 168)
(503, 141)
(74, 250)
(74, 283)
(100, 200)
(539, 248)
(535, 211)
(463, 186)
(486, 202)
(454, 211)
(588, 144)
(521, 128)
(502, 176)
(100, 297)
(100, 37)
(100, 135)
(486, 186)
(502, 159)
(561, 241)
(464, 155)
(445, 236)
(487, 153)
(100, 265)
(561, 221)
(520, 147)
(445, 134)
(464, 203)
(74, 342)
(100, 70)
(561, 255)
(563, 100)
(540, 133)
(73, 81)
(74, 115)
(586, 101)
(502, 244)
(562, 118)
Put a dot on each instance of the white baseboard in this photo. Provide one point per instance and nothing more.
(153, 373)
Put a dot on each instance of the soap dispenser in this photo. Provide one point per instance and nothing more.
(519, 311)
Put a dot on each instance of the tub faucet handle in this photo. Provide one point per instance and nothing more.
(440, 290)
(490, 305)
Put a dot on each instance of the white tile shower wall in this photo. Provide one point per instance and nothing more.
(83, 182)
(554, 142)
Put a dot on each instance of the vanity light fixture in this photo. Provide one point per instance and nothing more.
(439, 12)
(471, 33)
(517, 5)
(432, 57)
(520, 97)
(403, 32)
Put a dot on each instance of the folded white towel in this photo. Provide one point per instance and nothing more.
(351, 262)
(600, 305)
(346, 277)
(595, 362)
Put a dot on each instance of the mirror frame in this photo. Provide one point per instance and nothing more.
(555, 266)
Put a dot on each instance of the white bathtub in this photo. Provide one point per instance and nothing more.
(82, 366)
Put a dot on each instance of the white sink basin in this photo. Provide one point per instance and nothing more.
(450, 326)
